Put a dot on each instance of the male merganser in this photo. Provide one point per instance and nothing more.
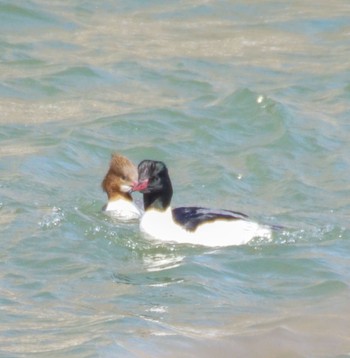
(117, 183)
(193, 225)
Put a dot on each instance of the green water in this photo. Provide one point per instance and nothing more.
(247, 104)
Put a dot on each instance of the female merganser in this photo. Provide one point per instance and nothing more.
(117, 183)
(193, 225)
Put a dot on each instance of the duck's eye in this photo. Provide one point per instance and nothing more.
(123, 177)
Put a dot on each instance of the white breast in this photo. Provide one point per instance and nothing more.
(161, 226)
(123, 209)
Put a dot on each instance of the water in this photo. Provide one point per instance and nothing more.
(247, 103)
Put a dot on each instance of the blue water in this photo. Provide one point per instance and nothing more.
(247, 104)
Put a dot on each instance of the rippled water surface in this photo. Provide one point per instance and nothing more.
(248, 104)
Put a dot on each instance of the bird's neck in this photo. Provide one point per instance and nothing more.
(159, 200)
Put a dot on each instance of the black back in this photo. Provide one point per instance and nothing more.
(191, 217)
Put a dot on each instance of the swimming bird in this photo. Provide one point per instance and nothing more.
(193, 225)
(118, 182)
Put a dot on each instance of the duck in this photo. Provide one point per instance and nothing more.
(189, 225)
(117, 183)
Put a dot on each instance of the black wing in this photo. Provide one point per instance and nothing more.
(191, 217)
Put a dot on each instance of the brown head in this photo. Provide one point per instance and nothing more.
(120, 178)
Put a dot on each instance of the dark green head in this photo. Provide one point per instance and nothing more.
(154, 183)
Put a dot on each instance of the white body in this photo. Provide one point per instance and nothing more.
(161, 226)
(123, 209)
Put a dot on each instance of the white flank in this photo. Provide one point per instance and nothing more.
(123, 209)
(161, 226)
